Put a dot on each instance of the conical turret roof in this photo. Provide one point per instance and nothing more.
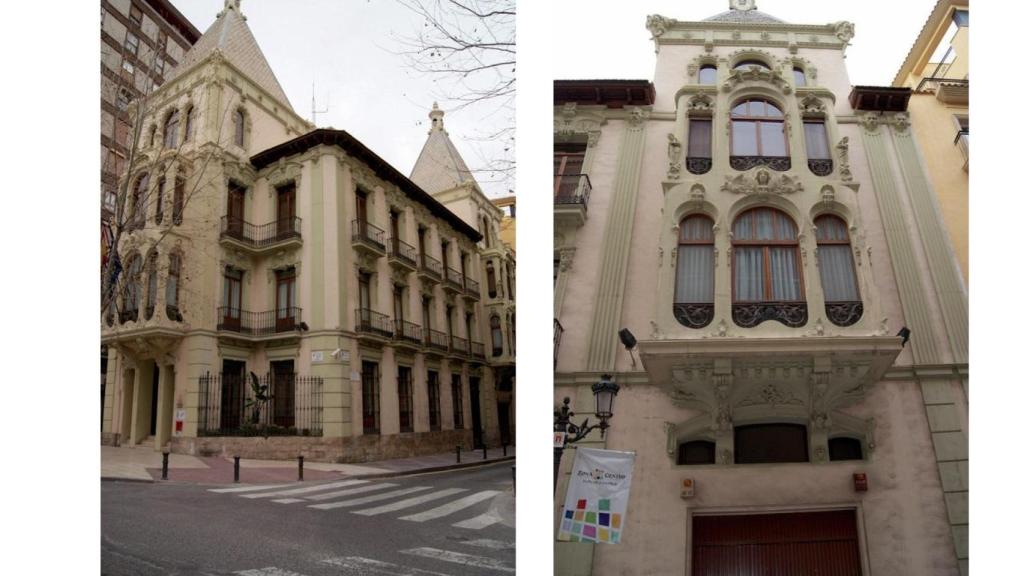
(440, 166)
(230, 35)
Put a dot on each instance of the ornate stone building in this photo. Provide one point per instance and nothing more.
(758, 223)
(283, 280)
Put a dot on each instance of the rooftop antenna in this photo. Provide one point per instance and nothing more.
(327, 107)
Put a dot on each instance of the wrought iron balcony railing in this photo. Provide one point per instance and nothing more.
(453, 278)
(276, 321)
(431, 267)
(366, 233)
(477, 350)
(227, 407)
(572, 189)
(844, 313)
(459, 345)
(372, 322)
(401, 251)
(437, 340)
(698, 165)
(472, 287)
(408, 332)
(260, 236)
(777, 163)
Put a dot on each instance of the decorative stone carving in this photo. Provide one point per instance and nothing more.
(777, 163)
(566, 256)
(670, 434)
(812, 106)
(762, 183)
(844, 31)
(870, 122)
(756, 74)
(655, 332)
(637, 116)
(743, 5)
(569, 111)
(675, 152)
(772, 396)
(702, 102)
(843, 157)
(900, 122)
(657, 24)
(694, 315)
(697, 192)
(723, 456)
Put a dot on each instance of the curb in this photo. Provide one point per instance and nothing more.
(124, 479)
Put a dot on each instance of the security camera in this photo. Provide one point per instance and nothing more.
(336, 354)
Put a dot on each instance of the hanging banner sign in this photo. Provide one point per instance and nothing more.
(598, 495)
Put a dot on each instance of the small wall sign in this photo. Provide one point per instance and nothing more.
(860, 481)
(559, 439)
(686, 487)
(318, 355)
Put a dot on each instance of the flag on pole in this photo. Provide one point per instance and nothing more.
(597, 498)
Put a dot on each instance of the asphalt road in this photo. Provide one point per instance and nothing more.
(458, 523)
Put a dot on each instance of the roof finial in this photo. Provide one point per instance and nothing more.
(436, 119)
(233, 5)
(743, 5)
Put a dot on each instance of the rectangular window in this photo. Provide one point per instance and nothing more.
(434, 399)
(568, 167)
(771, 443)
(457, 400)
(817, 140)
(371, 398)
(282, 393)
(960, 17)
(405, 399)
(699, 145)
(131, 43)
(110, 200)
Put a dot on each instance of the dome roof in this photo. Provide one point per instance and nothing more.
(745, 17)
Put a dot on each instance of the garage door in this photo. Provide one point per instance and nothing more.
(797, 544)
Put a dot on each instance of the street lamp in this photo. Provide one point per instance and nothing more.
(604, 399)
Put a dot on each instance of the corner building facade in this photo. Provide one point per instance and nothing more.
(749, 226)
(262, 247)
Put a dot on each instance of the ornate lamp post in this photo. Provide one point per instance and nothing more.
(604, 399)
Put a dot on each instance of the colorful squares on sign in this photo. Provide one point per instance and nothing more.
(602, 534)
(603, 518)
(616, 520)
(574, 538)
(615, 537)
(581, 504)
(566, 525)
(604, 504)
(592, 517)
(577, 528)
(568, 514)
(589, 531)
(579, 515)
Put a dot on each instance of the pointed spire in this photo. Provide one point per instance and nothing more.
(436, 119)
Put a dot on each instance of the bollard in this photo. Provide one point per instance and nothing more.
(301, 458)
(458, 453)
(237, 458)
(485, 451)
(163, 471)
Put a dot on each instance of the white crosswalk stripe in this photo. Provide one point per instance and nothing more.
(460, 558)
(492, 544)
(408, 502)
(451, 507)
(248, 488)
(306, 489)
(374, 498)
(268, 571)
(478, 522)
(360, 490)
(371, 567)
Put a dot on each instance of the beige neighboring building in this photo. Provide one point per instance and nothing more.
(260, 245)
(936, 69)
(764, 228)
(507, 204)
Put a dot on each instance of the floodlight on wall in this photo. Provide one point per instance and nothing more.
(629, 341)
(905, 334)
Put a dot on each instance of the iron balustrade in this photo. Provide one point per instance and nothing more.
(437, 340)
(402, 251)
(262, 235)
(372, 322)
(453, 278)
(408, 331)
(558, 338)
(258, 323)
(431, 266)
(572, 189)
(477, 349)
(459, 345)
(227, 408)
(777, 163)
(363, 231)
(698, 165)
(844, 313)
(472, 287)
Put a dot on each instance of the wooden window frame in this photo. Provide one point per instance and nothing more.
(758, 122)
(434, 399)
(457, 416)
(766, 246)
(370, 380)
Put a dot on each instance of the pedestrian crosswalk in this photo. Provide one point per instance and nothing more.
(460, 506)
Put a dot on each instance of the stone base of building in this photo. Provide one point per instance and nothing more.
(348, 450)
(110, 439)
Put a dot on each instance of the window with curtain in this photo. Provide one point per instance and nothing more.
(173, 281)
(708, 74)
(698, 146)
(568, 171)
(758, 136)
(843, 306)
(819, 160)
(150, 284)
(695, 272)
(767, 276)
(171, 130)
(799, 78)
(239, 119)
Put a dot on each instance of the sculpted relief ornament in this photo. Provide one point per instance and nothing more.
(843, 158)
(762, 183)
(675, 152)
(756, 74)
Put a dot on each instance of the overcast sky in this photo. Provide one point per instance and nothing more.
(616, 43)
(348, 47)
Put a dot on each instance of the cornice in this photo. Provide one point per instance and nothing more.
(667, 31)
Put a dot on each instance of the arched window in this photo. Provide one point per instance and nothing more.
(151, 284)
(178, 207)
(171, 130)
(239, 118)
(767, 276)
(161, 183)
(758, 136)
(819, 160)
(132, 290)
(696, 452)
(152, 134)
(139, 194)
(190, 123)
(173, 287)
(496, 340)
(751, 65)
(843, 306)
(798, 77)
(492, 288)
(708, 74)
(694, 305)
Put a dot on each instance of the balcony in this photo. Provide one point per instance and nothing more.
(371, 323)
(453, 280)
(844, 313)
(698, 165)
(368, 238)
(460, 346)
(572, 193)
(402, 255)
(430, 269)
(819, 166)
(472, 289)
(476, 351)
(281, 321)
(408, 333)
(961, 142)
(947, 90)
(436, 341)
(776, 163)
(253, 238)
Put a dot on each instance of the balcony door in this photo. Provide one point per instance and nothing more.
(232, 300)
(286, 211)
(285, 315)
(236, 210)
(361, 212)
(568, 167)
(395, 236)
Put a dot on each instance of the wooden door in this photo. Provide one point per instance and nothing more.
(285, 309)
(236, 211)
(232, 300)
(232, 395)
(286, 211)
(282, 392)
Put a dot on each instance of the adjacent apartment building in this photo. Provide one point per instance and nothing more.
(765, 230)
(275, 279)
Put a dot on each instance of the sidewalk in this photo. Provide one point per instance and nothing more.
(143, 464)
